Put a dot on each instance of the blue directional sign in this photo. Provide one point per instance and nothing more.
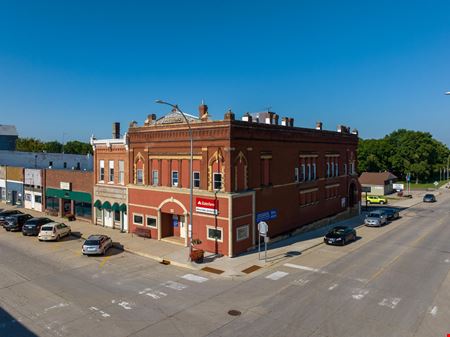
(266, 215)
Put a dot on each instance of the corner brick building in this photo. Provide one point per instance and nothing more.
(244, 171)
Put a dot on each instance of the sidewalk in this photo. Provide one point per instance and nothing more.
(238, 266)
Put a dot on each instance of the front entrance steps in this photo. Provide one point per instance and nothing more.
(175, 240)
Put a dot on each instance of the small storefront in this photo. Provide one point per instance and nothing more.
(33, 189)
(66, 202)
(110, 207)
(14, 185)
(69, 192)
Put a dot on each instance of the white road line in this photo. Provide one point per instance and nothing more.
(93, 308)
(194, 278)
(433, 311)
(447, 260)
(358, 294)
(60, 305)
(390, 302)
(301, 282)
(297, 266)
(333, 286)
(156, 294)
(124, 305)
(174, 285)
(276, 275)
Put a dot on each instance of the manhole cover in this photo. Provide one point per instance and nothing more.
(234, 312)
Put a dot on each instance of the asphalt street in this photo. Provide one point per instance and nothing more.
(393, 281)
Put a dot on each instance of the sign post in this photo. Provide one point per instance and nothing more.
(263, 229)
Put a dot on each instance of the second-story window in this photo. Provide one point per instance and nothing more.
(303, 173)
(101, 177)
(345, 169)
(121, 172)
(328, 169)
(296, 177)
(111, 171)
(217, 181)
(309, 172)
(155, 178)
(336, 170)
(196, 178)
(175, 178)
(139, 176)
(314, 172)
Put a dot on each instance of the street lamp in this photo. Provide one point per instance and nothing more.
(190, 225)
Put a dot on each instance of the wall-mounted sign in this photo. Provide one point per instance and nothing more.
(266, 215)
(208, 206)
(398, 187)
(65, 185)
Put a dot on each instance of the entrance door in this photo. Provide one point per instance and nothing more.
(182, 223)
(66, 206)
(108, 219)
(32, 196)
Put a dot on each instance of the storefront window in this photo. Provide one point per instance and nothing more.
(38, 199)
(117, 216)
(52, 203)
(83, 209)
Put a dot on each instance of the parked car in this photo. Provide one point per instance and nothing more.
(429, 198)
(391, 213)
(96, 244)
(6, 213)
(15, 222)
(376, 199)
(53, 231)
(33, 226)
(376, 218)
(340, 235)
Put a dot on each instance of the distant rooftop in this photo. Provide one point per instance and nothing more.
(8, 130)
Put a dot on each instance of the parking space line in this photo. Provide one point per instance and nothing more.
(194, 278)
(105, 259)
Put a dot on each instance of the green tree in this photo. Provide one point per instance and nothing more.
(53, 147)
(29, 145)
(77, 147)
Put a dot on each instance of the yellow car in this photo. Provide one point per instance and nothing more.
(376, 199)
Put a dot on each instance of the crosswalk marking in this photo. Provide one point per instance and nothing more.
(194, 278)
(297, 266)
(276, 275)
(333, 286)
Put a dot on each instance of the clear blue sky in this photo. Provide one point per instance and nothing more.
(74, 67)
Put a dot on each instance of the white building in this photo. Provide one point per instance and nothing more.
(40, 160)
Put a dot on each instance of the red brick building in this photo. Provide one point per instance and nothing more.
(69, 192)
(111, 175)
(244, 172)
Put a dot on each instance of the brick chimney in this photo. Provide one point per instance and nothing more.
(319, 126)
(229, 115)
(203, 111)
(269, 119)
(275, 119)
(247, 117)
(116, 130)
(151, 119)
(291, 121)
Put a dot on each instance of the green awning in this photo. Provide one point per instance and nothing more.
(70, 195)
(115, 207)
(123, 208)
(106, 205)
(98, 204)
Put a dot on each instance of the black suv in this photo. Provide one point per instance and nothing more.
(15, 222)
(33, 226)
(7, 213)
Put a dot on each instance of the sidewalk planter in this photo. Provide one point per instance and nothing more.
(70, 217)
(197, 255)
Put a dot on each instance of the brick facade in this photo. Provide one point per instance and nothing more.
(303, 174)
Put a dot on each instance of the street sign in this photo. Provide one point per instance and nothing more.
(398, 187)
(263, 228)
(266, 215)
(436, 183)
(366, 189)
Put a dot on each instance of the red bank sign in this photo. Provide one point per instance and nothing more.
(209, 206)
